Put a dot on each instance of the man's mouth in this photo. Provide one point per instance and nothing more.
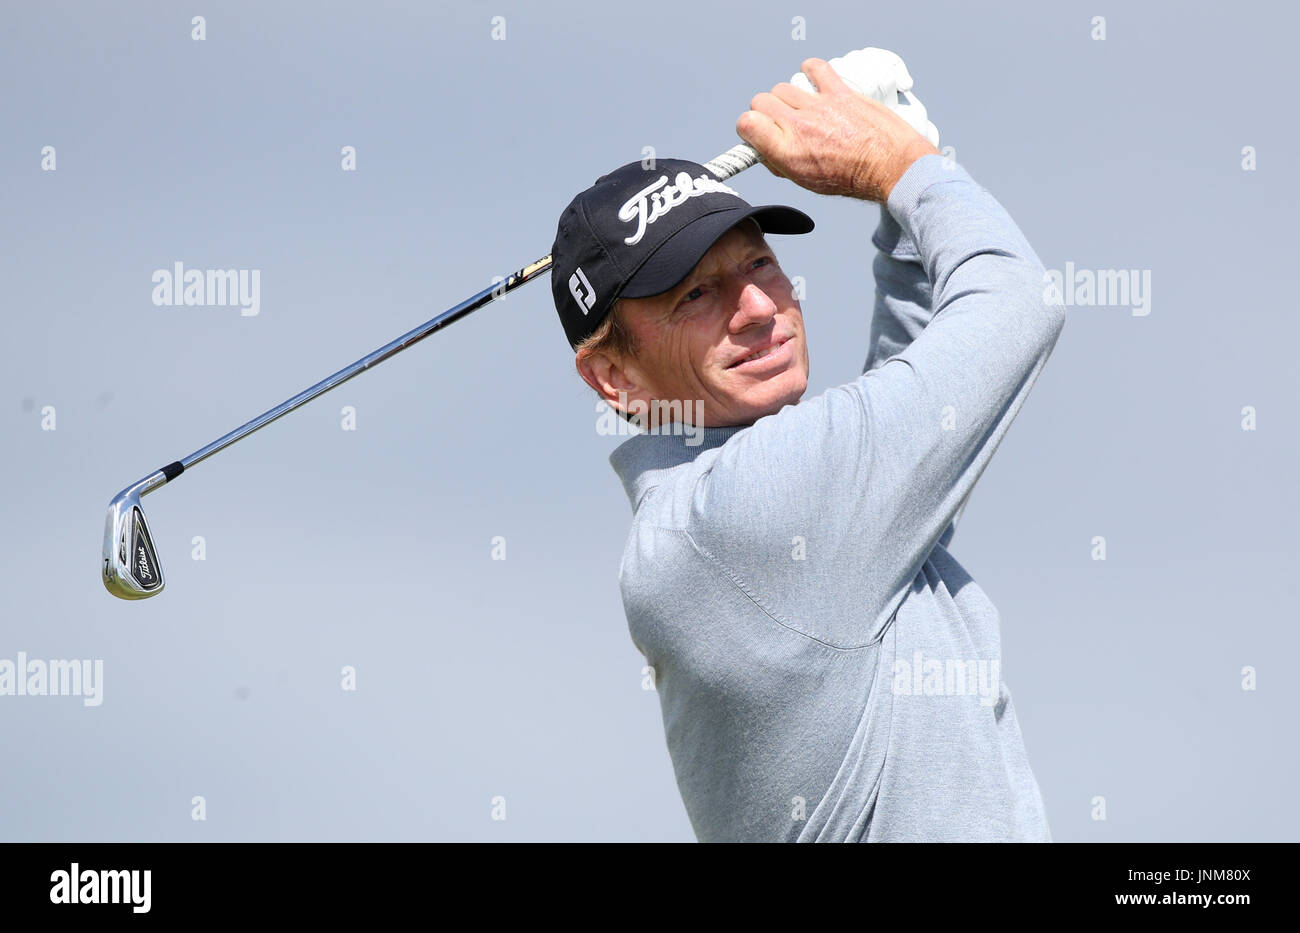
(762, 352)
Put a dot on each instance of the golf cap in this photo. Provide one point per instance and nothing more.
(639, 231)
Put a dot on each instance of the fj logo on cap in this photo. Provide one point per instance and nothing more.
(582, 291)
(649, 204)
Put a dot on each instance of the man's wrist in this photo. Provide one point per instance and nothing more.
(906, 160)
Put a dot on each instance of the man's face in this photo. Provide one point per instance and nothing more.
(698, 340)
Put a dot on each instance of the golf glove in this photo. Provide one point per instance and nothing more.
(881, 75)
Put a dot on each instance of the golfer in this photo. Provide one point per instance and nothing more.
(826, 668)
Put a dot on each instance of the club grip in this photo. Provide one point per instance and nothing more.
(734, 161)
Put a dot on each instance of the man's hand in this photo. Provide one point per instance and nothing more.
(836, 141)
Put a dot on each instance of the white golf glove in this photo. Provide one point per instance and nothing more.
(881, 75)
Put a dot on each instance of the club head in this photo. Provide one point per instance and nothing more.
(131, 568)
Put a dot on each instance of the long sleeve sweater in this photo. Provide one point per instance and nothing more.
(826, 669)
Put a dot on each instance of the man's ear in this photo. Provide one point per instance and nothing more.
(608, 376)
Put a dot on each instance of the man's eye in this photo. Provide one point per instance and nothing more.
(697, 292)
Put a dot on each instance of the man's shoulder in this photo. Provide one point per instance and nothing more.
(659, 476)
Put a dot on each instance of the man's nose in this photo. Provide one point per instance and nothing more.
(754, 306)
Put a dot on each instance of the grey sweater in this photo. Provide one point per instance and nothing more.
(826, 669)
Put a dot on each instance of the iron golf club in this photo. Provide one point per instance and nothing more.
(131, 567)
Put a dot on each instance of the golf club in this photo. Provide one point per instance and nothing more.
(131, 567)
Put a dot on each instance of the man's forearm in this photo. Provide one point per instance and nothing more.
(903, 294)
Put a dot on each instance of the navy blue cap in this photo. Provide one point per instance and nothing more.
(639, 231)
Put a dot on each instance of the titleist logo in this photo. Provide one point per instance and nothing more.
(649, 204)
(142, 564)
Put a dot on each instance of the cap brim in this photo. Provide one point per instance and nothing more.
(674, 260)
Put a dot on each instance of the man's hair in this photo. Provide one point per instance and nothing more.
(612, 336)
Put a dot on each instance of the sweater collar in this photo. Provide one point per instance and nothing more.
(641, 461)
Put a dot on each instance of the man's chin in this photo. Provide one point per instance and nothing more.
(770, 397)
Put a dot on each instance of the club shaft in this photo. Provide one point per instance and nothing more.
(388, 350)
(731, 162)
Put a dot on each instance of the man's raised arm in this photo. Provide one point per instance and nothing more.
(873, 473)
(903, 305)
